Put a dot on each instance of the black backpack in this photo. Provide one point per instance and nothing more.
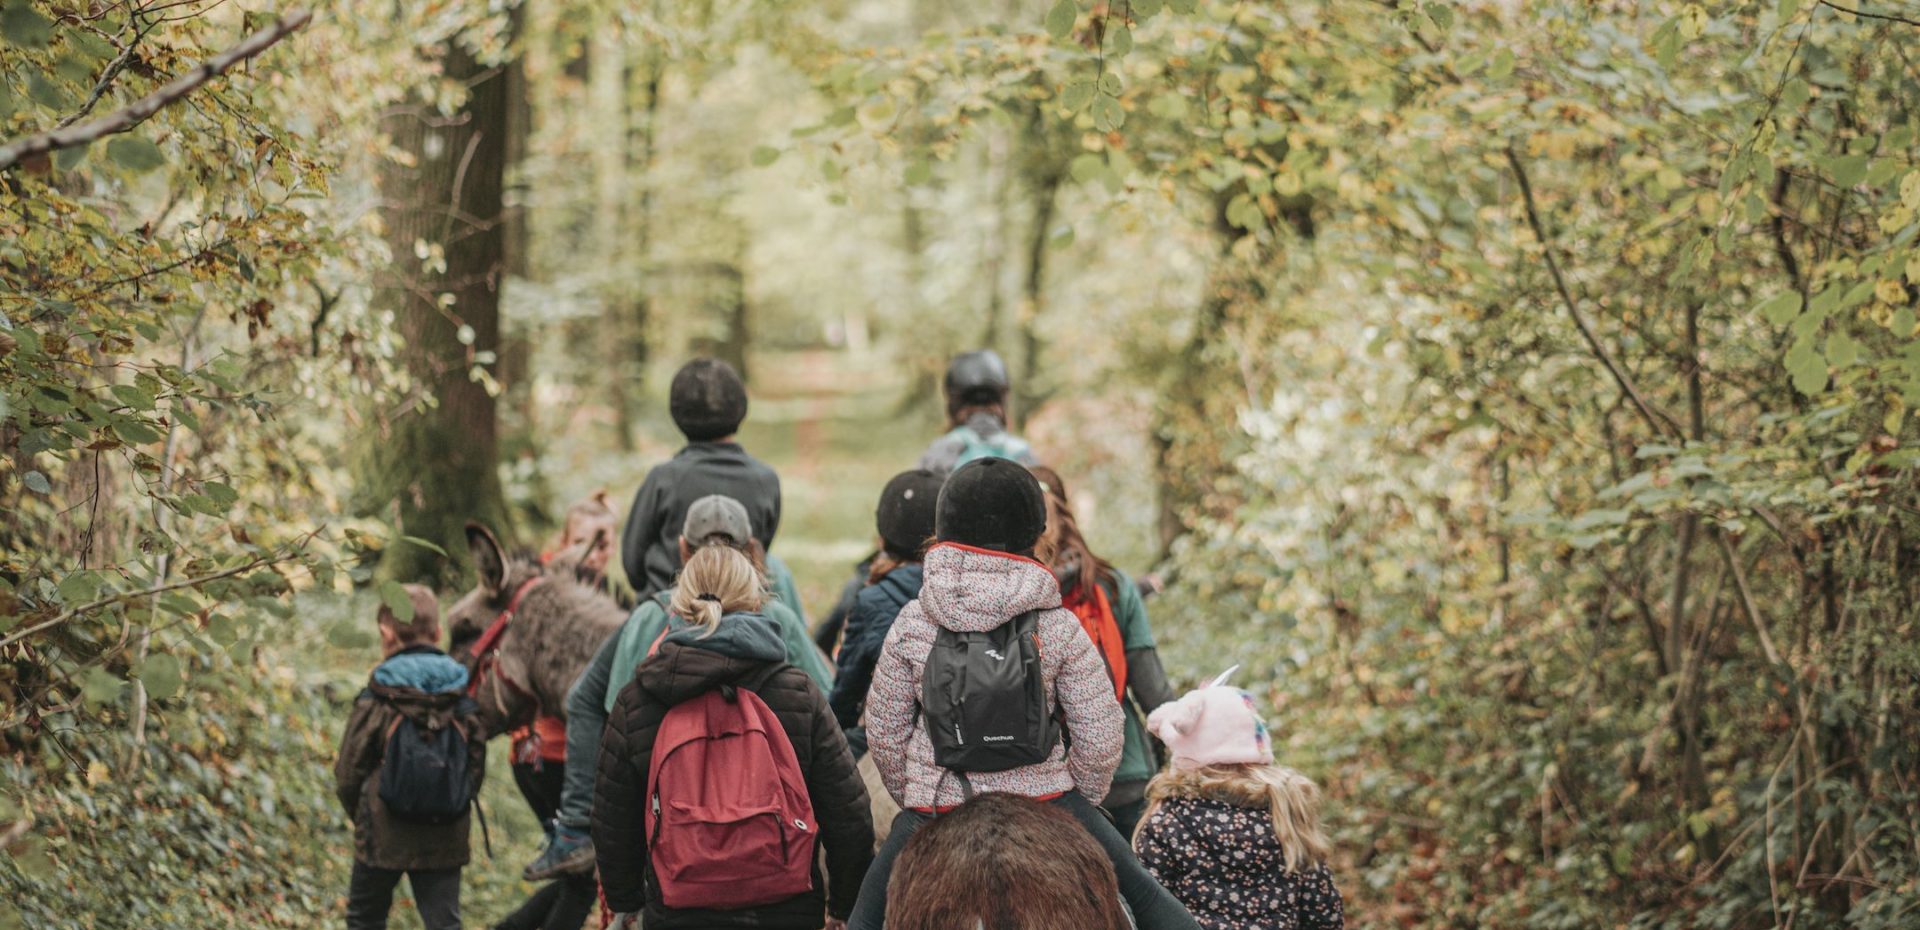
(426, 775)
(985, 698)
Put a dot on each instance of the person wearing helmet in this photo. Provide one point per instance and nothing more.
(976, 388)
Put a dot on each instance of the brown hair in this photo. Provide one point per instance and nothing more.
(1291, 799)
(1004, 862)
(1062, 545)
(424, 628)
(717, 580)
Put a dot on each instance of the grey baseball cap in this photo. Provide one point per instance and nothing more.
(717, 515)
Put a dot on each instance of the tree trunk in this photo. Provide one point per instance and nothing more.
(1027, 393)
(432, 466)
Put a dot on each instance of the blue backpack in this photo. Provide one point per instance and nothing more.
(426, 775)
(1000, 445)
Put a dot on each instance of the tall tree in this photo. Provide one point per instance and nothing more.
(432, 465)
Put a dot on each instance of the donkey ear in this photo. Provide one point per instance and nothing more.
(488, 558)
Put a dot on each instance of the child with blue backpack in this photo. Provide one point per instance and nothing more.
(409, 767)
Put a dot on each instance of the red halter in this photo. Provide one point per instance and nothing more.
(486, 648)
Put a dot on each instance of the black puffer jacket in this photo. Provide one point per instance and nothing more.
(746, 651)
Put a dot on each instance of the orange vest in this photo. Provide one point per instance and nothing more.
(1096, 617)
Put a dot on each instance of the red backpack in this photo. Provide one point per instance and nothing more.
(729, 822)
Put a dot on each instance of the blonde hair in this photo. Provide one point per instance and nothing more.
(593, 510)
(716, 581)
(1291, 799)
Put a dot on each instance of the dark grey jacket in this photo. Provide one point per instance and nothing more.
(650, 544)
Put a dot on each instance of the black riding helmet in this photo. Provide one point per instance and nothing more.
(976, 378)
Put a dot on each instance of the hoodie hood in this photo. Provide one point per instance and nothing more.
(969, 590)
(423, 669)
(741, 635)
(691, 662)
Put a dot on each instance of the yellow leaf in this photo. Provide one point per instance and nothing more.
(96, 772)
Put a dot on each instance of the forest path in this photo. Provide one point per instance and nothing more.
(828, 422)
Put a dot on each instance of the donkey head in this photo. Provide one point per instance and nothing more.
(556, 627)
(502, 706)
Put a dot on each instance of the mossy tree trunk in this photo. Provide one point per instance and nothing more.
(432, 466)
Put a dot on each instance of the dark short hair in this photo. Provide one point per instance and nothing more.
(708, 400)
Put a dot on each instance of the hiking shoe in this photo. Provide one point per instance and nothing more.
(569, 852)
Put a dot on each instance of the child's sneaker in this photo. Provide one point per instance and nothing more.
(569, 852)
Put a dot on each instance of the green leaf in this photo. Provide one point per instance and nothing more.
(1108, 115)
(135, 154)
(135, 432)
(1060, 19)
(1110, 84)
(1062, 237)
(1502, 65)
(69, 159)
(99, 686)
(1842, 349)
(36, 482)
(222, 493)
(162, 675)
(1780, 309)
(1847, 170)
(426, 544)
(133, 396)
(394, 595)
(1809, 371)
(918, 173)
(1076, 97)
(1121, 44)
(79, 587)
(24, 27)
(48, 94)
(1184, 7)
(764, 155)
(1147, 9)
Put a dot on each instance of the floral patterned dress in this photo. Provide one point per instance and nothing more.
(1224, 863)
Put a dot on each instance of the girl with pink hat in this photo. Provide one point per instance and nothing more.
(1235, 837)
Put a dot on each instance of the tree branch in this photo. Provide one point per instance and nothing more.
(122, 120)
(1660, 422)
(1891, 19)
(91, 606)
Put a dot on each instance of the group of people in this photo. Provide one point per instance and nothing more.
(713, 766)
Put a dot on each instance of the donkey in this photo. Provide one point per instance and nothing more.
(1004, 862)
(558, 621)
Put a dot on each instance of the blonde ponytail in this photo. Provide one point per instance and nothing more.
(716, 581)
(1291, 799)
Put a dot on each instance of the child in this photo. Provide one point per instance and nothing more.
(393, 829)
(988, 611)
(587, 534)
(711, 521)
(976, 387)
(1109, 606)
(708, 403)
(727, 869)
(1234, 836)
(905, 520)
